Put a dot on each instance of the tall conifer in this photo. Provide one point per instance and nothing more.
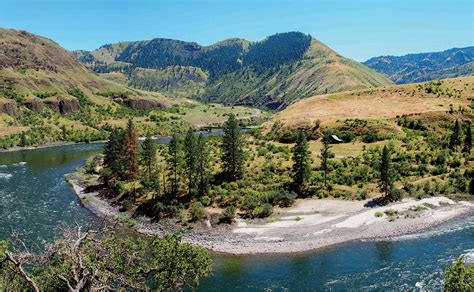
(130, 145)
(190, 157)
(148, 156)
(174, 164)
(301, 161)
(233, 156)
(386, 173)
(467, 138)
(202, 165)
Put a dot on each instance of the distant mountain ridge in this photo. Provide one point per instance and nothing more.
(421, 67)
(271, 73)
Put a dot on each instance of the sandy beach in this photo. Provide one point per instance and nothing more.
(309, 224)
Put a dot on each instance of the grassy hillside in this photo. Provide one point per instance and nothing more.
(411, 68)
(47, 95)
(271, 73)
(375, 111)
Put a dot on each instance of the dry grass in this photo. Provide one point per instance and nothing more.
(380, 103)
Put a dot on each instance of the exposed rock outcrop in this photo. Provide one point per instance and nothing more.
(140, 103)
(8, 107)
(63, 105)
(34, 104)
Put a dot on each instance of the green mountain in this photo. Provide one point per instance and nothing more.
(271, 73)
(411, 68)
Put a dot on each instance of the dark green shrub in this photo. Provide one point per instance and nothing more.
(197, 212)
(206, 201)
(227, 216)
(396, 195)
(282, 198)
(263, 211)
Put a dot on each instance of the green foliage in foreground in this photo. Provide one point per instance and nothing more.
(459, 277)
(90, 261)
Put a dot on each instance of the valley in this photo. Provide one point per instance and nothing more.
(152, 164)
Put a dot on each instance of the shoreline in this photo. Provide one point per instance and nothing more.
(310, 225)
(62, 143)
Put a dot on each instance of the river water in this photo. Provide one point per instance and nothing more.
(35, 200)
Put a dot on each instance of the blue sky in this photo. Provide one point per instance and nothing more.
(358, 29)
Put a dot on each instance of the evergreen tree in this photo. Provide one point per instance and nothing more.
(467, 138)
(455, 138)
(130, 144)
(174, 163)
(233, 156)
(63, 133)
(202, 165)
(301, 161)
(148, 156)
(325, 155)
(190, 157)
(23, 140)
(113, 156)
(386, 173)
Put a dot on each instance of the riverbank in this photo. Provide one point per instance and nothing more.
(308, 225)
(48, 145)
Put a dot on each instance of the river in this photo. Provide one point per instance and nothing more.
(36, 200)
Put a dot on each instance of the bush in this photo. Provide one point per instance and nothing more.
(206, 201)
(378, 214)
(396, 195)
(459, 277)
(263, 211)
(91, 165)
(198, 212)
(288, 137)
(248, 203)
(282, 198)
(361, 195)
(227, 216)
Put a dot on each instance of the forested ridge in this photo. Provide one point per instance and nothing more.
(270, 73)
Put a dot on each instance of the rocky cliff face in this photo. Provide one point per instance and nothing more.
(139, 103)
(63, 105)
(9, 107)
(34, 104)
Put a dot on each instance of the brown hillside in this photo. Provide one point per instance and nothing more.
(33, 64)
(380, 103)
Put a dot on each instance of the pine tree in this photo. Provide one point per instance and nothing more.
(386, 173)
(325, 155)
(23, 140)
(455, 139)
(148, 156)
(202, 165)
(233, 156)
(467, 138)
(174, 163)
(113, 156)
(301, 161)
(190, 157)
(130, 144)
